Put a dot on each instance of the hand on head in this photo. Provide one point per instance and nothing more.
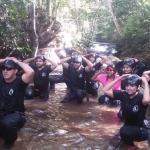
(12, 58)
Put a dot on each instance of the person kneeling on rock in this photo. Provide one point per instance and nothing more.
(77, 78)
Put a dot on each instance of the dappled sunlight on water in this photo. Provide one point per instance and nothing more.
(54, 126)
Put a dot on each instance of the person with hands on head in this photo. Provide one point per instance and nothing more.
(77, 78)
(12, 89)
(41, 77)
(104, 79)
(129, 66)
(134, 105)
(65, 76)
(91, 85)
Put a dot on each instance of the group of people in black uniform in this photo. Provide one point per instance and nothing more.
(82, 75)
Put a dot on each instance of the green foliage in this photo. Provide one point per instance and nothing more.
(133, 17)
(12, 15)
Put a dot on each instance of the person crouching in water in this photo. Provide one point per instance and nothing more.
(12, 89)
(91, 85)
(129, 66)
(41, 77)
(104, 79)
(134, 105)
(77, 78)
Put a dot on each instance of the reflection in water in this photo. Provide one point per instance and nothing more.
(55, 126)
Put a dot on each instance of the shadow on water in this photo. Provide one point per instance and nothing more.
(54, 126)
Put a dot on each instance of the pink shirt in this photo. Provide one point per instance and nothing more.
(103, 79)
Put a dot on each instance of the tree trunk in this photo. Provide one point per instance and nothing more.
(34, 34)
(76, 15)
(114, 18)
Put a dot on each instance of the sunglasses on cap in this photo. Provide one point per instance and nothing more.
(6, 68)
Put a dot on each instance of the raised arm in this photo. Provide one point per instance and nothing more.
(57, 51)
(94, 77)
(146, 94)
(27, 77)
(89, 64)
(26, 61)
(53, 64)
(103, 59)
(2, 60)
(119, 68)
(107, 89)
(79, 52)
(146, 75)
(140, 68)
(64, 62)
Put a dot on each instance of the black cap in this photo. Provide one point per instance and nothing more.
(132, 79)
(10, 64)
(40, 57)
(92, 55)
(68, 51)
(130, 62)
(77, 59)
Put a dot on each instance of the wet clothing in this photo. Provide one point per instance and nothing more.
(77, 78)
(104, 80)
(104, 99)
(77, 94)
(10, 125)
(139, 69)
(92, 86)
(64, 78)
(77, 85)
(58, 79)
(32, 92)
(41, 83)
(12, 108)
(12, 95)
(41, 77)
(133, 112)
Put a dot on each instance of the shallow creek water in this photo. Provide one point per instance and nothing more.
(52, 125)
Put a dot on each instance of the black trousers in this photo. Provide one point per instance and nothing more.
(10, 124)
(104, 99)
(32, 92)
(92, 87)
(58, 79)
(129, 134)
(77, 94)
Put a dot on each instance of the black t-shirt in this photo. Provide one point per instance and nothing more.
(12, 95)
(41, 77)
(65, 71)
(77, 78)
(133, 109)
(95, 69)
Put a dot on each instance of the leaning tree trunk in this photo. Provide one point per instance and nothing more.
(114, 18)
(34, 34)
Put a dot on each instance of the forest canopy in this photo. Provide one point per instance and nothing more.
(126, 23)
